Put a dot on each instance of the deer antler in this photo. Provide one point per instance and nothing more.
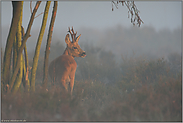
(73, 35)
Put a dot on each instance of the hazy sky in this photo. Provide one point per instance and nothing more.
(98, 14)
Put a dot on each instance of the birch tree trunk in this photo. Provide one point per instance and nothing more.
(38, 46)
(19, 42)
(9, 44)
(25, 37)
(47, 51)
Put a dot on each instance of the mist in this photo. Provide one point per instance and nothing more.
(134, 41)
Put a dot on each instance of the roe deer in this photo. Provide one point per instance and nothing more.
(64, 67)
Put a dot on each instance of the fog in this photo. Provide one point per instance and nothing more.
(159, 36)
(134, 41)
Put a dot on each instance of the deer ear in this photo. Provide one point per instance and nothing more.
(77, 39)
(67, 39)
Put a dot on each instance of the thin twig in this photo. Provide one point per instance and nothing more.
(132, 10)
(115, 4)
(39, 14)
(31, 6)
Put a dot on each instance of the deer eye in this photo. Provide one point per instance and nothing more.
(75, 47)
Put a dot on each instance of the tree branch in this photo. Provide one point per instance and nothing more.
(31, 6)
(132, 10)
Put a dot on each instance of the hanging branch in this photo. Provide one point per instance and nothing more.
(132, 11)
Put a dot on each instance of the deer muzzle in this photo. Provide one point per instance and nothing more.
(83, 54)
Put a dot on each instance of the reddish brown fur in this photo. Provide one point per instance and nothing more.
(64, 67)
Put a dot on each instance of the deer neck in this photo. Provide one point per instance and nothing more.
(67, 53)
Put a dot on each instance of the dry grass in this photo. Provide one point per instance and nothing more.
(94, 101)
(145, 91)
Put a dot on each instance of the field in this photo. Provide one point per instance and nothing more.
(135, 89)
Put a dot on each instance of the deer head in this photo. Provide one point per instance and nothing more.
(73, 49)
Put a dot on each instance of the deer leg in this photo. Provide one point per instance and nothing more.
(64, 82)
(64, 77)
(72, 77)
(72, 85)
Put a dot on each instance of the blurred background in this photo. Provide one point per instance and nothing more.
(111, 30)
